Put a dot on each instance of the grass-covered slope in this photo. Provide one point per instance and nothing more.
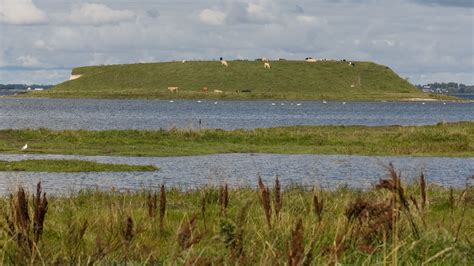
(330, 80)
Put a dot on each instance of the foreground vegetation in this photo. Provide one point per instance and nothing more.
(70, 166)
(331, 80)
(390, 224)
(451, 139)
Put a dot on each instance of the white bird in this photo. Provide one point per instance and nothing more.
(422, 103)
(215, 102)
(324, 101)
(444, 103)
(273, 103)
(171, 101)
(198, 101)
(298, 104)
(343, 102)
(282, 104)
(24, 147)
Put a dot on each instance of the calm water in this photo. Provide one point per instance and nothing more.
(152, 114)
(241, 170)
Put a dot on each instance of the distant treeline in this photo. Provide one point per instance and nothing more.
(22, 86)
(450, 87)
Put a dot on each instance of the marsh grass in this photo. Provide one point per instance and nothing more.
(444, 139)
(358, 227)
(70, 166)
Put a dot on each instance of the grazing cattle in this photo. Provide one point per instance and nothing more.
(351, 64)
(267, 65)
(224, 63)
(205, 89)
(221, 59)
(281, 59)
(353, 86)
(173, 89)
(310, 59)
(343, 60)
(184, 61)
(217, 91)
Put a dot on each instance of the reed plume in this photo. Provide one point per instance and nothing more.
(223, 198)
(318, 207)
(296, 253)
(152, 200)
(40, 207)
(162, 206)
(266, 202)
(278, 201)
(423, 190)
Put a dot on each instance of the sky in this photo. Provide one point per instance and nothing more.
(422, 40)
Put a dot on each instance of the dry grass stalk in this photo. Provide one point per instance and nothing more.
(152, 204)
(423, 190)
(203, 209)
(162, 206)
(186, 236)
(224, 198)
(278, 201)
(266, 202)
(128, 232)
(318, 207)
(296, 253)
(40, 207)
(451, 200)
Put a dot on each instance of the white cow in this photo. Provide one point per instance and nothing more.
(217, 91)
(266, 65)
(310, 59)
(224, 63)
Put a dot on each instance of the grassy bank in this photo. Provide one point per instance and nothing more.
(451, 139)
(285, 80)
(70, 166)
(390, 225)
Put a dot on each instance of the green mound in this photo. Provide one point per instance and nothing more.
(330, 80)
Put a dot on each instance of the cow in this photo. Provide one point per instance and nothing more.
(266, 65)
(310, 59)
(173, 89)
(184, 61)
(217, 91)
(205, 89)
(224, 63)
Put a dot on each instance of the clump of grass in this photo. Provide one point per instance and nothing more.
(187, 235)
(223, 198)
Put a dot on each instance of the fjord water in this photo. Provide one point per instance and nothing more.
(154, 114)
(242, 170)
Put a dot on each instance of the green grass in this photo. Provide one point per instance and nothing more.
(285, 80)
(450, 139)
(117, 228)
(70, 166)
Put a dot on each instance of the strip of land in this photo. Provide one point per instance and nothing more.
(68, 166)
(444, 139)
(241, 80)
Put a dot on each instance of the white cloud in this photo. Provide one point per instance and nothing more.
(98, 14)
(21, 12)
(28, 61)
(212, 17)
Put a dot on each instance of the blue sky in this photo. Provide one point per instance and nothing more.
(423, 40)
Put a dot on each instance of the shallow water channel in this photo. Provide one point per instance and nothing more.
(154, 114)
(241, 170)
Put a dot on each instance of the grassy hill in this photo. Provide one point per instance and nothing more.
(328, 80)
